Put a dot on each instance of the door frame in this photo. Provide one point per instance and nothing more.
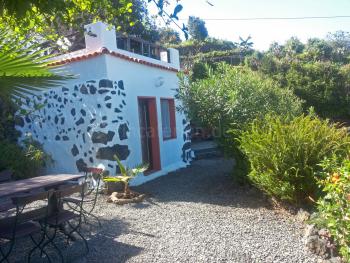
(153, 118)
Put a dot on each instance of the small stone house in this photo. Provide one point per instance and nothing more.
(121, 102)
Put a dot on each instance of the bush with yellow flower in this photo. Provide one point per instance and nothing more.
(334, 207)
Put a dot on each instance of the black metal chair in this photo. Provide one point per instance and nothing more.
(6, 176)
(92, 178)
(23, 224)
(62, 217)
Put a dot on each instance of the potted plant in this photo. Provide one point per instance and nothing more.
(126, 174)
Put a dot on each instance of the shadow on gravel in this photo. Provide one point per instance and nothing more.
(102, 241)
(205, 181)
(107, 247)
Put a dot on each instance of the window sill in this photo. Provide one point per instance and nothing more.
(169, 139)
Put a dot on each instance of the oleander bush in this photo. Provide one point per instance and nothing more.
(334, 207)
(284, 154)
(234, 96)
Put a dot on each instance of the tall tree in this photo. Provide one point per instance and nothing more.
(197, 28)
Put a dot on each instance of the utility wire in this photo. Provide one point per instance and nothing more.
(273, 18)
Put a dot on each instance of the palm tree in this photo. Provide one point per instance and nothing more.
(23, 67)
(244, 45)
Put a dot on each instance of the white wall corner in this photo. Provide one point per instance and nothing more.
(98, 35)
(174, 58)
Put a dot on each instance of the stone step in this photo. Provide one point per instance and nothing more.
(207, 153)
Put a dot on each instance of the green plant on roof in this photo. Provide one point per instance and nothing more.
(126, 174)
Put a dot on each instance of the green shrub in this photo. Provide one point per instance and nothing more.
(24, 161)
(334, 208)
(284, 154)
(234, 96)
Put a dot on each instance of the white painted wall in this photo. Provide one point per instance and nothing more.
(139, 80)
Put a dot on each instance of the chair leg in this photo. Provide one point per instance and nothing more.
(51, 241)
(7, 254)
(3, 258)
(37, 246)
(76, 230)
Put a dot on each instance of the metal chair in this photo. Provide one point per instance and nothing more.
(93, 178)
(23, 224)
(5, 176)
(58, 219)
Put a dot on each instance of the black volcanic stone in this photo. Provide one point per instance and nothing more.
(27, 119)
(72, 112)
(184, 121)
(83, 89)
(88, 129)
(92, 89)
(104, 118)
(83, 112)
(105, 83)
(186, 146)
(185, 137)
(108, 98)
(65, 101)
(56, 119)
(91, 160)
(123, 101)
(76, 88)
(62, 120)
(102, 91)
(101, 137)
(113, 92)
(98, 105)
(65, 138)
(81, 165)
(117, 110)
(103, 125)
(109, 105)
(188, 127)
(19, 121)
(107, 153)
(65, 89)
(122, 131)
(80, 121)
(92, 121)
(57, 138)
(123, 94)
(83, 135)
(121, 84)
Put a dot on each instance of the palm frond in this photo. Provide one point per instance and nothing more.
(24, 67)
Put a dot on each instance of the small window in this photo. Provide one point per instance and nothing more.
(168, 118)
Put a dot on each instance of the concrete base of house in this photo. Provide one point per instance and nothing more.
(141, 179)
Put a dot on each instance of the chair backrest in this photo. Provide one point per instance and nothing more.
(23, 215)
(69, 189)
(5, 176)
(27, 198)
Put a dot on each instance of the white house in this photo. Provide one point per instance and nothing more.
(120, 103)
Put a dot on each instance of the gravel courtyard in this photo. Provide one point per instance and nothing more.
(196, 214)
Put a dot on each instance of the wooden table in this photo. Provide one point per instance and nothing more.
(26, 185)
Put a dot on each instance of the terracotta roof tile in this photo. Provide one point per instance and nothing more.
(112, 53)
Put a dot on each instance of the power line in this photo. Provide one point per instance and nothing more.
(273, 18)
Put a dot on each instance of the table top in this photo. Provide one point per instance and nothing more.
(25, 185)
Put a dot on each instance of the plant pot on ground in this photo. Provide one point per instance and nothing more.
(124, 195)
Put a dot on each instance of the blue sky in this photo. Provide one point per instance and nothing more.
(266, 31)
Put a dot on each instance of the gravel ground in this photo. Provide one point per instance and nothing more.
(195, 214)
